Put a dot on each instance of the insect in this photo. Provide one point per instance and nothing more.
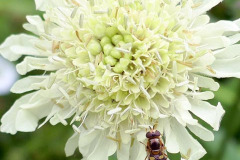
(155, 147)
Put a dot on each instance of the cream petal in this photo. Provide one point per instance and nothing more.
(86, 140)
(123, 152)
(17, 45)
(32, 63)
(25, 113)
(28, 84)
(226, 67)
(42, 5)
(227, 53)
(227, 62)
(141, 136)
(200, 21)
(215, 43)
(234, 38)
(126, 138)
(102, 143)
(204, 82)
(189, 147)
(217, 29)
(201, 132)
(35, 25)
(8, 120)
(55, 110)
(182, 102)
(201, 95)
(62, 115)
(204, 6)
(162, 86)
(184, 117)
(171, 141)
(26, 121)
(142, 103)
(205, 60)
(72, 144)
(160, 100)
(137, 151)
(207, 112)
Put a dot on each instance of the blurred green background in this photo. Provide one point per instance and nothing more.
(48, 142)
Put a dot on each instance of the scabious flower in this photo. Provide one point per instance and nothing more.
(116, 67)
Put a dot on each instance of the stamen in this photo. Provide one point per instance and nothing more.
(63, 92)
(92, 67)
(63, 121)
(182, 83)
(74, 12)
(159, 57)
(101, 12)
(123, 50)
(165, 38)
(125, 110)
(130, 79)
(75, 128)
(81, 20)
(114, 111)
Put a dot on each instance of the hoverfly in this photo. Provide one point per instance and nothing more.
(155, 147)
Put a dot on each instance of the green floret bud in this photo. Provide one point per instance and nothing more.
(116, 54)
(121, 43)
(111, 31)
(121, 65)
(116, 39)
(124, 62)
(99, 30)
(105, 40)
(110, 60)
(94, 47)
(118, 68)
(107, 49)
(128, 39)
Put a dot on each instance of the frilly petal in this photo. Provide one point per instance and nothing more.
(17, 45)
(98, 146)
(123, 152)
(42, 5)
(25, 113)
(207, 112)
(28, 84)
(201, 132)
(204, 6)
(189, 147)
(71, 144)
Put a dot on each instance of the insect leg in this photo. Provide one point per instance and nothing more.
(143, 144)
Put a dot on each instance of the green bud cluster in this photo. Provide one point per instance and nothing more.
(109, 45)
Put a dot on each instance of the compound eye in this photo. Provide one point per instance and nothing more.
(157, 133)
(149, 135)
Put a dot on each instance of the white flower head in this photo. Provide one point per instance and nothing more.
(116, 67)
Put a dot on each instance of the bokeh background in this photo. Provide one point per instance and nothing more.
(48, 142)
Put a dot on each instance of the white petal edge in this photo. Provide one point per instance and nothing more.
(72, 144)
(28, 84)
(189, 147)
(207, 112)
(17, 45)
(201, 132)
(205, 5)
